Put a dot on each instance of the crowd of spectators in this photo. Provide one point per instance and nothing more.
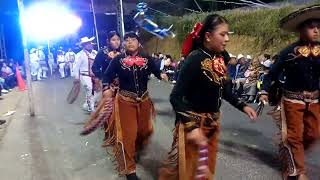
(7, 76)
(246, 72)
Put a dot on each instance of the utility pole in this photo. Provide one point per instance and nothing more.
(26, 60)
(120, 20)
(3, 51)
(95, 23)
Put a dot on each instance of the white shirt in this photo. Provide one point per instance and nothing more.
(60, 59)
(34, 58)
(82, 63)
(50, 58)
(41, 55)
(70, 56)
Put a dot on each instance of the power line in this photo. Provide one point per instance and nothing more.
(261, 2)
(188, 9)
(245, 2)
(195, 1)
(158, 11)
(257, 4)
(238, 3)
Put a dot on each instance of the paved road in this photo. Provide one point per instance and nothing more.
(48, 147)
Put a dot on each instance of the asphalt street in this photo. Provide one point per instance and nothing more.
(48, 146)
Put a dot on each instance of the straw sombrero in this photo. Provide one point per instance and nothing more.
(293, 20)
(85, 40)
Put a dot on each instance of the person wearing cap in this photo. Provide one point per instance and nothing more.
(300, 109)
(196, 99)
(131, 126)
(84, 74)
(240, 78)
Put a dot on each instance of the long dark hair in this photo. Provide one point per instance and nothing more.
(110, 35)
(209, 24)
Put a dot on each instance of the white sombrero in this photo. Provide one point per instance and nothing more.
(85, 40)
(293, 20)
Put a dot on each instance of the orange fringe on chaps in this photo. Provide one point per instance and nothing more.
(182, 160)
(299, 128)
(128, 130)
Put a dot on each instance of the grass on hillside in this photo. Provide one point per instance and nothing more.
(256, 31)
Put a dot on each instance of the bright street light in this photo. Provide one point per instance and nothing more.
(48, 21)
(43, 22)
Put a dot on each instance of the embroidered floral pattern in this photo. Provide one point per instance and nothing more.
(214, 69)
(130, 61)
(307, 51)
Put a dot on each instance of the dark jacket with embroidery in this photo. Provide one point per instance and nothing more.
(301, 73)
(132, 77)
(101, 63)
(196, 89)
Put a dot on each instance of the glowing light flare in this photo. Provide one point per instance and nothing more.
(49, 21)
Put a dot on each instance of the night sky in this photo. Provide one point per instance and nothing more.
(9, 18)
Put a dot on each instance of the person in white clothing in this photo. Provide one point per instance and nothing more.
(84, 74)
(70, 59)
(35, 69)
(42, 62)
(61, 63)
(51, 62)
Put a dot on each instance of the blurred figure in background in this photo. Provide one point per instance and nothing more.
(42, 62)
(35, 65)
(61, 63)
(70, 58)
(51, 63)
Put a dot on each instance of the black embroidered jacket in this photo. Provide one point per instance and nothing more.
(101, 63)
(300, 65)
(202, 84)
(133, 72)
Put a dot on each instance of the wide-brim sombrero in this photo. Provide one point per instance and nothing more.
(293, 20)
(85, 40)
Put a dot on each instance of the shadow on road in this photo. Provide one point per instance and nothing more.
(249, 153)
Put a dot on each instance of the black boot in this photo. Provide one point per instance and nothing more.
(132, 176)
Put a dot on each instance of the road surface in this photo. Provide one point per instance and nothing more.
(48, 146)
